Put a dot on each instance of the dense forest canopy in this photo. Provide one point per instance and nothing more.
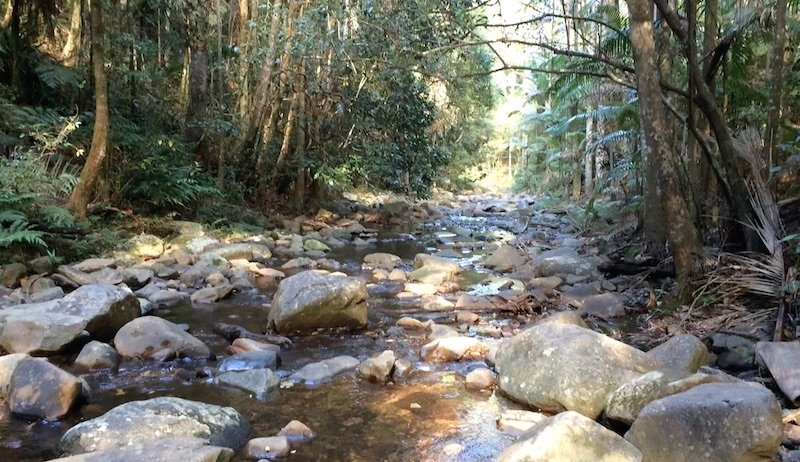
(685, 113)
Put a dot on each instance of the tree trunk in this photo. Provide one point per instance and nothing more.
(84, 190)
(774, 118)
(588, 159)
(69, 56)
(682, 236)
(7, 14)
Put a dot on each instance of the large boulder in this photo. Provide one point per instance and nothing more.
(563, 260)
(40, 389)
(149, 336)
(97, 355)
(570, 437)
(160, 450)
(716, 422)
(310, 300)
(782, 360)
(166, 417)
(556, 367)
(246, 250)
(48, 327)
(8, 363)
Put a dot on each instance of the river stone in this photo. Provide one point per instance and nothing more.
(397, 275)
(48, 327)
(41, 265)
(481, 378)
(200, 243)
(158, 450)
(258, 359)
(211, 294)
(386, 261)
(734, 353)
(563, 260)
(555, 367)
(91, 265)
(515, 422)
(297, 432)
(106, 276)
(549, 282)
(309, 300)
(76, 276)
(604, 306)
(248, 250)
(167, 298)
(435, 331)
(410, 323)
(146, 246)
(437, 263)
(164, 417)
(565, 317)
(144, 337)
(299, 262)
(782, 359)
(506, 258)
(7, 365)
(627, 401)
(12, 274)
(136, 278)
(196, 276)
(315, 245)
(377, 368)
(682, 352)
(324, 370)
(453, 349)
(46, 295)
(271, 447)
(40, 389)
(241, 345)
(570, 437)
(715, 422)
(97, 355)
(420, 288)
(259, 382)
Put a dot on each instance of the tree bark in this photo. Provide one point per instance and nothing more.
(7, 14)
(776, 96)
(588, 159)
(684, 242)
(69, 56)
(79, 200)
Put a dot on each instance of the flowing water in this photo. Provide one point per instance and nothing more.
(428, 416)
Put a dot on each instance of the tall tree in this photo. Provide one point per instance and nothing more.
(82, 194)
(69, 56)
(776, 95)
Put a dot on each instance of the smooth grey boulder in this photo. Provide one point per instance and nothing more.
(139, 422)
(506, 258)
(46, 295)
(377, 368)
(604, 306)
(782, 359)
(148, 336)
(325, 370)
(383, 260)
(259, 382)
(160, 450)
(136, 278)
(309, 300)
(211, 294)
(90, 265)
(7, 365)
(734, 352)
(246, 250)
(556, 367)
(563, 260)
(570, 437)
(75, 275)
(99, 310)
(258, 359)
(166, 298)
(682, 352)
(40, 389)
(97, 355)
(716, 422)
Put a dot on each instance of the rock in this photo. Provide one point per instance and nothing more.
(106, 276)
(297, 432)
(166, 417)
(435, 331)
(718, 422)
(549, 282)
(397, 275)
(435, 303)
(682, 352)
(504, 259)
(386, 261)
(516, 422)
(94, 264)
(402, 368)
(420, 288)
(734, 353)
(555, 367)
(380, 274)
(468, 317)
(248, 250)
(325, 370)
(430, 275)
(158, 450)
(563, 260)
(437, 264)
(565, 317)
(211, 294)
(7, 365)
(377, 368)
(97, 355)
(410, 323)
(479, 379)
(474, 302)
(146, 336)
(782, 359)
(625, 403)
(308, 301)
(241, 345)
(76, 276)
(315, 245)
(147, 246)
(168, 298)
(453, 349)
(37, 283)
(41, 265)
(46, 295)
(299, 262)
(259, 382)
(272, 447)
(200, 243)
(40, 389)
(49, 327)
(570, 437)
(258, 359)
(12, 274)
(136, 278)
(604, 306)
(187, 229)
(196, 276)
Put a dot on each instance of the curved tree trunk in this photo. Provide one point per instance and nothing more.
(84, 190)
(69, 56)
